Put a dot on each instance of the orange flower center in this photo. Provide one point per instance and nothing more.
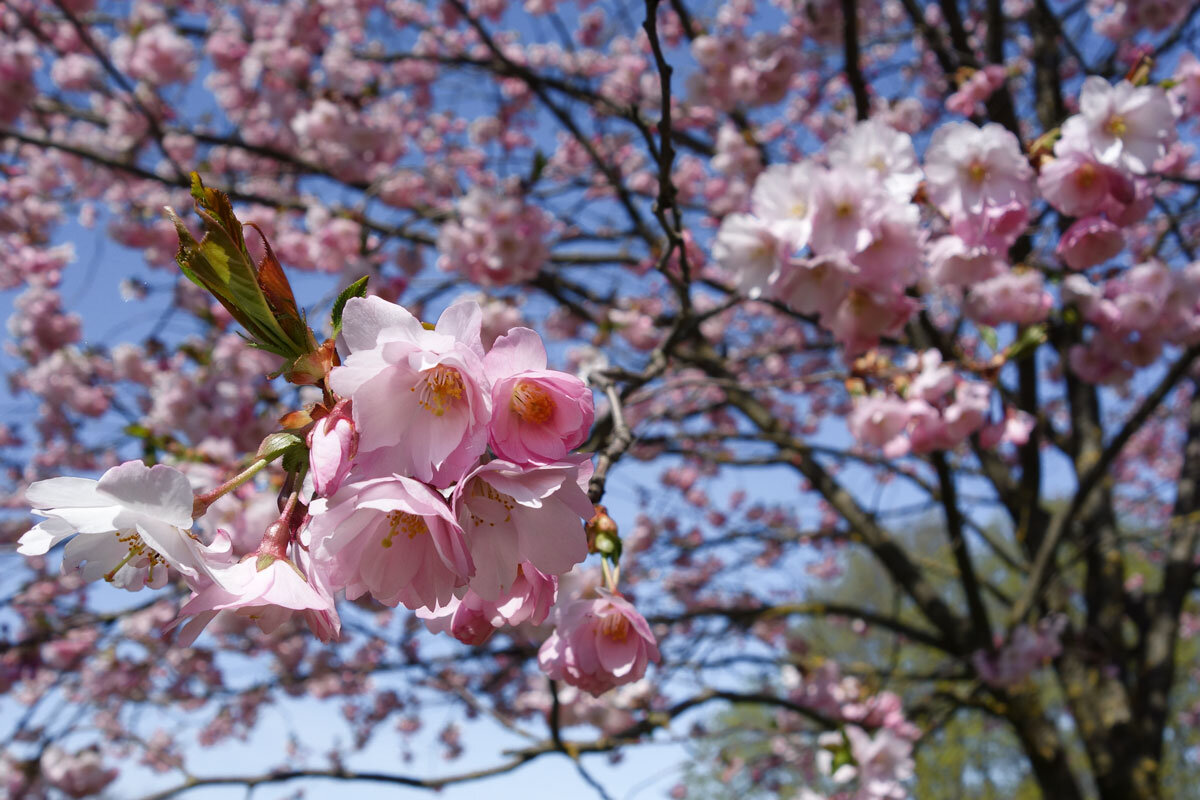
(615, 627)
(531, 402)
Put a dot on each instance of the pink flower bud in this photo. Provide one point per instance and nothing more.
(332, 443)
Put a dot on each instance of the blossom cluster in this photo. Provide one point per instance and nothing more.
(497, 239)
(927, 407)
(442, 479)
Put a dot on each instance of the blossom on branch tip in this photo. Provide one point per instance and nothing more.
(394, 538)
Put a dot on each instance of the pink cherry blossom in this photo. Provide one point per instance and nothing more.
(598, 644)
(472, 620)
(969, 167)
(882, 151)
(261, 587)
(1123, 125)
(513, 514)
(80, 774)
(1089, 242)
(748, 250)
(394, 538)
(420, 398)
(332, 443)
(538, 415)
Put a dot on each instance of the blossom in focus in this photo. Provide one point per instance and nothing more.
(128, 527)
(472, 620)
(420, 399)
(513, 514)
(598, 643)
(262, 587)
(394, 538)
(538, 415)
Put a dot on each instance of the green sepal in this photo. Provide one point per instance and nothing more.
(277, 444)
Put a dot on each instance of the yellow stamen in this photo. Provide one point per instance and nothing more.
(403, 522)
(1116, 125)
(531, 402)
(438, 389)
(977, 172)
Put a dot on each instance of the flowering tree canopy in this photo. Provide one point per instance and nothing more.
(804, 382)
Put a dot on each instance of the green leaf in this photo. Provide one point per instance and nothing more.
(221, 264)
(356, 289)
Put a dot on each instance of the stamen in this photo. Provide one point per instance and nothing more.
(403, 522)
(438, 389)
(531, 402)
(615, 627)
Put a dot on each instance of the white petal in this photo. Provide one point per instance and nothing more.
(159, 492)
(39, 539)
(64, 492)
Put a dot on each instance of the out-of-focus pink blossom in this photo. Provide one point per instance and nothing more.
(598, 644)
(1089, 242)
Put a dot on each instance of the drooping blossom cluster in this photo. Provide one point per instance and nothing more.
(442, 480)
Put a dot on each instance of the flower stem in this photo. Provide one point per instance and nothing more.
(202, 501)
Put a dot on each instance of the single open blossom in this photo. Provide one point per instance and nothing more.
(265, 588)
(514, 514)
(332, 445)
(1079, 185)
(598, 644)
(1123, 125)
(394, 538)
(129, 526)
(538, 415)
(968, 168)
(1089, 242)
(421, 402)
